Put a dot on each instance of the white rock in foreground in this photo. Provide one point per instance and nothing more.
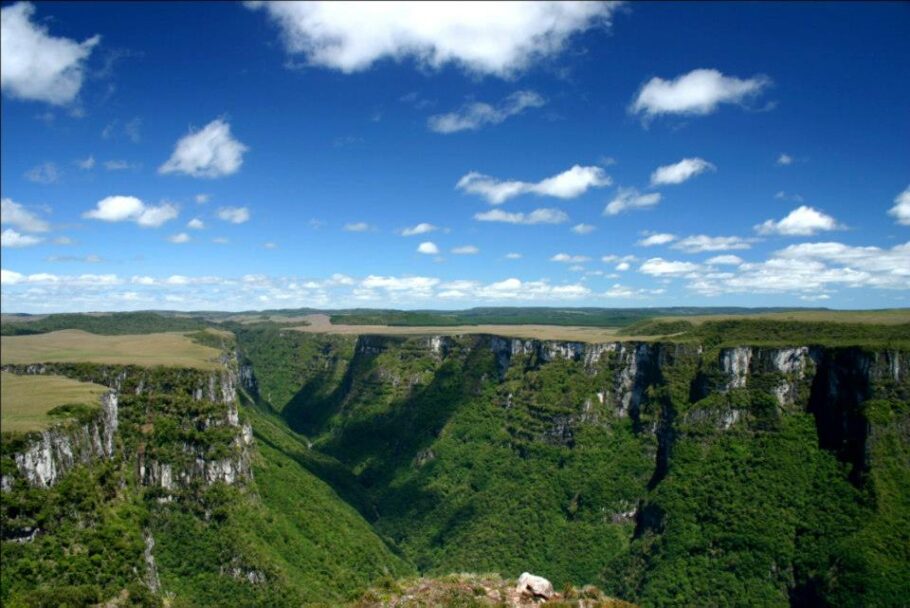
(536, 586)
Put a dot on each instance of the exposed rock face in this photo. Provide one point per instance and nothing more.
(535, 586)
(735, 362)
(59, 449)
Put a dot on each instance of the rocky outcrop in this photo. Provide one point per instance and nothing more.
(58, 449)
(536, 587)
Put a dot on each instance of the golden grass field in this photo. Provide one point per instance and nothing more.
(70, 345)
(320, 324)
(26, 400)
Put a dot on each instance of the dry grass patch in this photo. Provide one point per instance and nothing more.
(73, 345)
(320, 324)
(26, 400)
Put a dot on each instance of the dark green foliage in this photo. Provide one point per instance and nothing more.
(118, 323)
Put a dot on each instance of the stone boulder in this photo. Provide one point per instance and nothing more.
(535, 586)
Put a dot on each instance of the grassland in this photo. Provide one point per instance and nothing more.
(891, 316)
(321, 324)
(71, 345)
(26, 400)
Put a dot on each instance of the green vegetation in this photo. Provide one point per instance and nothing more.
(32, 403)
(585, 317)
(72, 345)
(378, 458)
(110, 324)
(766, 332)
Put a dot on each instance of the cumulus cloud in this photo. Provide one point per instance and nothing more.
(234, 215)
(45, 173)
(179, 238)
(131, 209)
(211, 152)
(569, 259)
(201, 199)
(725, 260)
(119, 165)
(86, 163)
(421, 228)
(500, 38)
(583, 228)
(784, 160)
(428, 247)
(802, 221)
(697, 93)
(11, 238)
(901, 209)
(35, 65)
(660, 267)
(570, 183)
(15, 215)
(538, 216)
(679, 172)
(465, 250)
(701, 242)
(513, 256)
(631, 198)
(195, 224)
(473, 116)
(813, 268)
(357, 227)
(623, 266)
(657, 238)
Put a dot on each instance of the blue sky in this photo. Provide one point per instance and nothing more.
(231, 156)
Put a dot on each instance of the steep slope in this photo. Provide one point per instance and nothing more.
(169, 494)
(669, 473)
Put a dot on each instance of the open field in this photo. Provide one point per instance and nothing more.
(322, 324)
(69, 345)
(26, 400)
(892, 316)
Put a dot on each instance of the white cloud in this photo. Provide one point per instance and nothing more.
(63, 240)
(784, 160)
(357, 227)
(465, 250)
(473, 116)
(622, 266)
(726, 260)
(179, 238)
(631, 198)
(86, 163)
(583, 228)
(421, 228)
(789, 197)
(802, 221)
(211, 152)
(701, 242)
(270, 245)
(11, 238)
(658, 238)
(45, 173)
(698, 93)
(609, 259)
(428, 247)
(202, 198)
(17, 216)
(131, 209)
(513, 256)
(35, 65)
(660, 267)
(234, 215)
(570, 183)
(901, 209)
(220, 240)
(569, 259)
(195, 224)
(538, 216)
(500, 38)
(677, 173)
(119, 165)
